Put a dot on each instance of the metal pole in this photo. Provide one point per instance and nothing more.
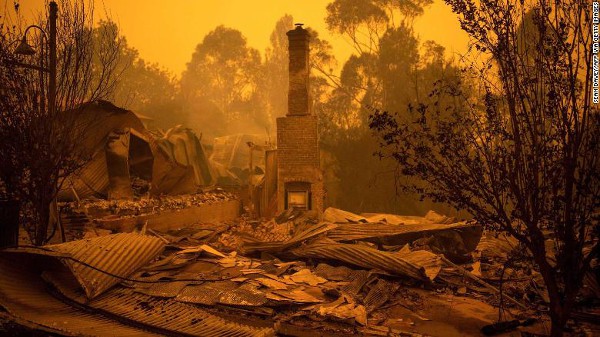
(41, 73)
(52, 88)
(52, 65)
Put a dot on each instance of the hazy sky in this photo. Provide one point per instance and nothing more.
(166, 32)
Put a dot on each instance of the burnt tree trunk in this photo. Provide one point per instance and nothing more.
(562, 295)
(43, 220)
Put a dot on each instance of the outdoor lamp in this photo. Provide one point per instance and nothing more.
(24, 48)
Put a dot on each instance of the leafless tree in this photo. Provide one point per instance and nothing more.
(523, 156)
(40, 146)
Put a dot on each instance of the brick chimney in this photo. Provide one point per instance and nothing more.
(298, 97)
(299, 175)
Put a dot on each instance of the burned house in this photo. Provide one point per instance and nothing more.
(123, 155)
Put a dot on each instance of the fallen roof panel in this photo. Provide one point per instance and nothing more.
(362, 256)
(101, 262)
(402, 234)
(161, 315)
(118, 254)
(24, 296)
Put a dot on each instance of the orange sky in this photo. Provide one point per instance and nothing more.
(166, 32)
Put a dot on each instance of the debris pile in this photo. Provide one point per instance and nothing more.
(98, 208)
(295, 294)
(295, 276)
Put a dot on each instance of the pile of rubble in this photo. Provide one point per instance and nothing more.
(371, 275)
(97, 208)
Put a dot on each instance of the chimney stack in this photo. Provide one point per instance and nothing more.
(299, 71)
(299, 175)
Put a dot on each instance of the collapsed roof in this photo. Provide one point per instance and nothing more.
(121, 149)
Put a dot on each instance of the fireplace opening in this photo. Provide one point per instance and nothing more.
(297, 195)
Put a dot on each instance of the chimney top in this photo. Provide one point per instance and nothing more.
(299, 70)
(299, 32)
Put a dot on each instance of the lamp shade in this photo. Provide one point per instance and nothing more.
(24, 48)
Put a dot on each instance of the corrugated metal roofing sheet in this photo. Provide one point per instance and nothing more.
(173, 316)
(93, 179)
(117, 254)
(431, 262)
(23, 294)
(361, 256)
(161, 315)
(164, 289)
(347, 232)
(340, 216)
(401, 234)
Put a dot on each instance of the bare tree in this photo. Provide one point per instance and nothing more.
(523, 156)
(41, 146)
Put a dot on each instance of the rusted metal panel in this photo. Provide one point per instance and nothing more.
(184, 147)
(117, 164)
(496, 246)
(232, 150)
(24, 295)
(336, 215)
(164, 289)
(168, 176)
(98, 118)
